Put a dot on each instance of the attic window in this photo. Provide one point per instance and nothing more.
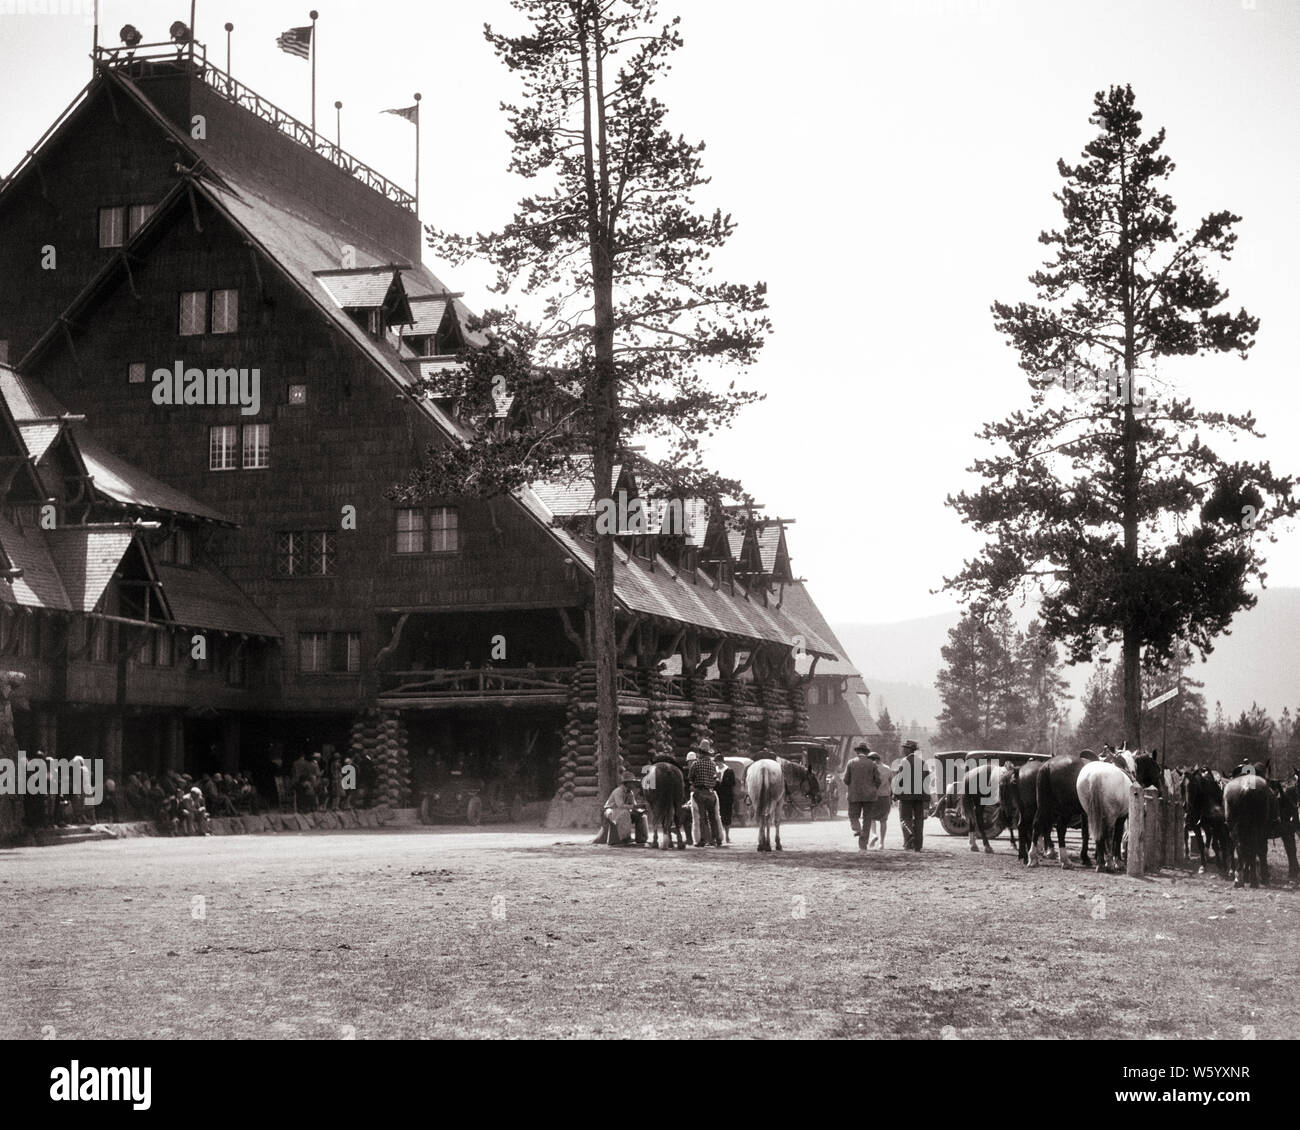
(137, 373)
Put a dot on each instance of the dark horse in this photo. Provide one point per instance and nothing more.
(1058, 805)
(1251, 810)
(1287, 824)
(664, 790)
(1018, 796)
(980, 790)
(1203, 809)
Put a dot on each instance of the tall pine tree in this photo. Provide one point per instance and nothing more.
(1116, 507)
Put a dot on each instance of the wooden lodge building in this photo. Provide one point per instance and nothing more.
(172, 219)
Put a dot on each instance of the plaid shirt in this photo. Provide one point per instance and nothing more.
(702, 774)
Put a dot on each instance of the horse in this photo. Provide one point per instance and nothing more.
(980, 788)
(1251, 809)
(1103, 790)
(1057, 798)
(1142, 767)
(665, 792)
(801, 780)
(765, 783)
(1203, 812)
(1018, 798)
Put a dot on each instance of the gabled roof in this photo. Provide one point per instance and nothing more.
(38, 437)
(37, 409)
(661, 592)
(369, 288)
(86, 558)
(428, 311)
(40, 585)
(205, 597)
(797, 603)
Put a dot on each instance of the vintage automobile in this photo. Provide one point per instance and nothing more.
(950, 766)
(815, 757)
(470, 800)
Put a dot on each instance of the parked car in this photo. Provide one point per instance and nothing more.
(950, 767)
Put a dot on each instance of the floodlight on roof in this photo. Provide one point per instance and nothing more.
(130, 35)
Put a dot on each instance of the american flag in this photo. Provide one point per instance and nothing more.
(296, 41)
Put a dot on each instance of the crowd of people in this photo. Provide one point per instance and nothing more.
(871, 784)
(341, 784)
(181, 805)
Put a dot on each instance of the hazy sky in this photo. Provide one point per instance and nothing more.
(890, 166)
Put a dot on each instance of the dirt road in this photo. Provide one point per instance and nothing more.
(396, 933)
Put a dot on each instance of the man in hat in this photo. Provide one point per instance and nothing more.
(884, 799)
(710, 754)
(912, 784)
(623, 812)
(702, 777)
(862, 780)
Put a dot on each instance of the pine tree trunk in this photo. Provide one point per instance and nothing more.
(1130, 476)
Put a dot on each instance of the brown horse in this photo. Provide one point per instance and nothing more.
(664, 790)
(1058, 803)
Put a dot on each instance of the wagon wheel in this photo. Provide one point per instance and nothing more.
(474, 811)
(515, 812)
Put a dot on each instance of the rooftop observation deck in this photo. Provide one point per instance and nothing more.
(150, 59)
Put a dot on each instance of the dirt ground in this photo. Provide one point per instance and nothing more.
(453, 933)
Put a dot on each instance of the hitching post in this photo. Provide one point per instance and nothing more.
(1136, 836)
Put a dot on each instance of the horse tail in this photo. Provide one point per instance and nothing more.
(1094, 809)
(762, 797)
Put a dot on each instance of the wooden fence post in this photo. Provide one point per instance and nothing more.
(1136, 825)
(1153, 837)
(1176, 836)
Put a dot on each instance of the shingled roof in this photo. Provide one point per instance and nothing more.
(849, 716)
(206, 598)
(86, 558)
(40, 585)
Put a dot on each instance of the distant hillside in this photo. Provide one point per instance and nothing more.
(1258, 662)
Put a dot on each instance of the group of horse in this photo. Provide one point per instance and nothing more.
(1238, 816)
(766, 781)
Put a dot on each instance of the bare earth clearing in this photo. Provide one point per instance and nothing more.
(406, 933)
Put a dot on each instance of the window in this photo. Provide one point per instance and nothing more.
(194, 312)
(444, 531)
(225, 311)
(137, 216)
(101, 641)
(181, 547)
(313, 651)
(164, 649)
(137, 373)
(222, 439)
(309, 554)
(410, 531)
(257, 446)
(324, 652)
(297, 394)
(111, 225)
(437, 527)
(144, 656)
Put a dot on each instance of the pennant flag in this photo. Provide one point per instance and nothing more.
(410, 113)
(296, 41)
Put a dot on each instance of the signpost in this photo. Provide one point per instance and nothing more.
(1163, 700)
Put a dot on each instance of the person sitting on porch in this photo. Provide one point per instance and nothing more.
(624, 815)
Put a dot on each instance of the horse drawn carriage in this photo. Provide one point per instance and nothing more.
(950, 768)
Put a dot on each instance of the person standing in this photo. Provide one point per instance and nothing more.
(703, 779)
(912, 784)
(884, 799)
(862, 779)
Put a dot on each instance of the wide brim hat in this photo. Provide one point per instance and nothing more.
(862, 747)
(909, 744)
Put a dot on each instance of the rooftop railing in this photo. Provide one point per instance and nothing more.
(155, 58)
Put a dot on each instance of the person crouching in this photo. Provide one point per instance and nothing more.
(624, 815)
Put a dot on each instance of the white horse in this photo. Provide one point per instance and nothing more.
(765, 784)
(1103, 793)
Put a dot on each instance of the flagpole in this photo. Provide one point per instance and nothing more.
(338, 125)
(417, 153)
(229, 28)
(314, 14)
(94, 54)
(193, 5)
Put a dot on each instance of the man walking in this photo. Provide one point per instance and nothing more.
(884, 800)
(702, 776)
(862, 779)
(912, 784)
